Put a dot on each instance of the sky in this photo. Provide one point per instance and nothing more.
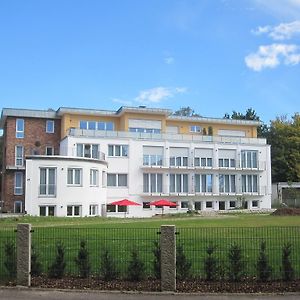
(215, 56)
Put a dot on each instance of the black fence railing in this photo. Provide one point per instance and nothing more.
(128, 258)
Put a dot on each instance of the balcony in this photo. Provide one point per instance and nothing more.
(76, 132)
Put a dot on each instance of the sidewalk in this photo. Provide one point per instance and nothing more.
(43, 294)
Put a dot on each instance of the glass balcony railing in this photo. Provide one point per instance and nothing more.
(164, 136)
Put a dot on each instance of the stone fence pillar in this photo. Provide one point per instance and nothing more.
(24, 254)
(168, 258)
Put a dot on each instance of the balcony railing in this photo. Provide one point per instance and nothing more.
(164, 136)
(166, 190)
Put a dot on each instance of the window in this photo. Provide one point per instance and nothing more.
(179, 183)
(209, 204)
(18, 207)
(184, 204)
(74, 210)
(178, 161)
(18, 188)
(203, 161)
(104, 179)
(232, 204)
(93, 210)
(249, 183)
(47, 182)
(74, 176)
(19, 156)
(197, 205)
(93, 125)
(118, 150)
(203, 183)
(117, 180)
(249, 159)
(195, 128)
(152, 183)
(226, 163)
(88, 150)
(50, 126)
(49, 150)
(94, 177)
(255, 203)
(152, 160)
(146, 205)
(19, 128)
(110, 208)
(47, 211)
(226, 183)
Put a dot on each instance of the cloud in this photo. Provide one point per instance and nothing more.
(279, 8)
(157, 94)
(271, 56)
(280, 32)
(169, 60)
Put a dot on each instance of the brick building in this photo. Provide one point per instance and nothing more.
(25, 132)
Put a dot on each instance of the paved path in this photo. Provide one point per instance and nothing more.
(39, 294)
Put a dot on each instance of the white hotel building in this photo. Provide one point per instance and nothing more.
(146, 154)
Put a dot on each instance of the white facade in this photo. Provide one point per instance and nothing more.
(217, 174)
(65, 186)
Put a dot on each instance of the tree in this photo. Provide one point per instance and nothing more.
(186, 112)
(284, 138)
(82, 260)
(57, 269)
(249, 115)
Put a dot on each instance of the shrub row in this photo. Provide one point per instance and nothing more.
(108, 269)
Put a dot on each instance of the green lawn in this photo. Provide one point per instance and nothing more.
(227, 220)
(195, 233)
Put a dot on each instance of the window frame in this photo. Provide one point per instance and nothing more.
(123, 152)
(73, 178)
(20, 134)
(19, 190)
(92, 208)
(52, 150)
(73, 210)
(52, 127)
(195, 128)
(47, 184)
(19, 158)
(116, 180)
(94, 181)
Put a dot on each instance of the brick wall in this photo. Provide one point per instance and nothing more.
(35, 141)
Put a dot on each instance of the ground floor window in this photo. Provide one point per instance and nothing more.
(110, 208)
(255, 203)
(18, 207)
(184, 204)
(47, 211)
(209, 204)
(93, 209)
(232, 204)
(74, 210)
(146, 205)
(197, 205)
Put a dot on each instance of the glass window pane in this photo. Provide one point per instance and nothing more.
(146, 183)
(227, 183)
(197, 161)
(51, 210)
(249, 159)
(70, 176)
(255, 184)
(172, 183)
(209, 162)
(42, 211)
(232, 184)
(172, 161)
(117, 150)
(159, 183)
(79, 150)
(95, 152)
(221, 183)
(122, 180)
(203, 183)
(178, 161)
(110, 126)
(178, 183)
(77, 176)
(76, 210)
(197, 183)
(87, 150)
(203, 162)
(124, 150)
(153, 183)
(110, 150)
(42, 176)
(146, 159)
(185, 161)
(209, 183)
(101, 126)
(69, 210)
(220, 162)
(51, 176)
(254, 159)
(83, 124)
(185, 183)
(92, 125)
(111, 180)
(226, 163)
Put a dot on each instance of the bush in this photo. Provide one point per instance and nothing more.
(263, 268)
(287, 268)
(108, 268)
(235, 267)
(10, 261)
(210, 264)
(157, 260)
(136, 267)
(57, 269)
(183, 265)
(82, 261)
(36, 266)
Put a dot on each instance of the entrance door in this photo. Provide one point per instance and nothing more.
(221, 205)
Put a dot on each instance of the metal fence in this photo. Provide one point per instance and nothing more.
(118, 244)
(7, 255)
(197, 242)
(193, 246)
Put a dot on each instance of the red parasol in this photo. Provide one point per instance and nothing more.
(162, 203)
(124, 202)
